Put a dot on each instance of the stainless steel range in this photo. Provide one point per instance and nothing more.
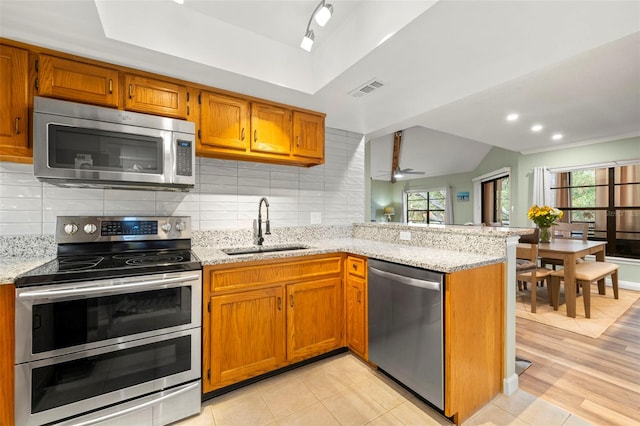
(110, 331)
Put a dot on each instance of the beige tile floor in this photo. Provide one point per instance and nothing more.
(342, 390)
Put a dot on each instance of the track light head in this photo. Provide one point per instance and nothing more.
(307, 41)
(323, 15)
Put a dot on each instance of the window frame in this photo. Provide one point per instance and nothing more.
(630, 248)
(405, 204)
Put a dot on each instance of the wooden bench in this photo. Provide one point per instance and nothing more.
(586, 274)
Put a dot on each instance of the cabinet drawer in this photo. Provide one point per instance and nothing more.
(356, 266)
(270, 272)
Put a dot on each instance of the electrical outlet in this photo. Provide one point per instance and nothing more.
(316, 218)
(405, 235)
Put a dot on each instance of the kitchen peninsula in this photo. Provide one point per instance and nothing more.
(468, 255)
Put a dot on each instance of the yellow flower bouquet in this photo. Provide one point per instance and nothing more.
(544, 217)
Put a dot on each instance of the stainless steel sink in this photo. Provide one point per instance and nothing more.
(261, 249)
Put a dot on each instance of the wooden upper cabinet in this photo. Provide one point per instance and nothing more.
(270, 129)
(308, 135)
(224, 122)
(14, 104)
(153, 96)
(77, 81)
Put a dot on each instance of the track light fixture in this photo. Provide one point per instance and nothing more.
(322, 13)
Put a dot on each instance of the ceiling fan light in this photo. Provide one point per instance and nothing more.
(323, 15)
(307, 41)
(397, 174)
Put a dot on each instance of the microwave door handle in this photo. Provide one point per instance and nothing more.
(116, 288)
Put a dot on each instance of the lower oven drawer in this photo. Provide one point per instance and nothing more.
(154, 410)
(69, 385)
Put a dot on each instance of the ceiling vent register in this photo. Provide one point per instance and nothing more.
(366, 88)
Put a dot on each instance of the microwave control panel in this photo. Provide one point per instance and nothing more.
(184, 155)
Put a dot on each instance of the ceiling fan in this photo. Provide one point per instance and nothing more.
(397, 172)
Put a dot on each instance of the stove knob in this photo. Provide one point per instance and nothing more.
(180, 226)
(90, 228)
(70, 228)
(166, 227)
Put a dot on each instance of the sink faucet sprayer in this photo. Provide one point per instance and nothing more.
(257, 224)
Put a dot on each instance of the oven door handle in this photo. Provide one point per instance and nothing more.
(65, 292)
(168, 395)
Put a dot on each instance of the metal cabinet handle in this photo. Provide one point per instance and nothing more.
(73, 291)
(358, 298)
(298, 141)
(279, 303)
(110, 86)
(255, 135)
(354, 266)
(291, 300)
(242, 134)
(17, 125)
(130, 91)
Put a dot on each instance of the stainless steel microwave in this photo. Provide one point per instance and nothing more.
(82, 145)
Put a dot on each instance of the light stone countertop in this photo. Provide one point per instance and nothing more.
(11, 267)
(422, 257)
(441, 260)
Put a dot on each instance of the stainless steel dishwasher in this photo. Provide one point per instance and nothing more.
(405, 326)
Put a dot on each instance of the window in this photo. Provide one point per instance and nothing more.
(425, 206)
(608, 199)
(495, 200)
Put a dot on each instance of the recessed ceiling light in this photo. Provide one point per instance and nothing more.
(557, 136)
(179, 1)
(512, 117)
(536, 127)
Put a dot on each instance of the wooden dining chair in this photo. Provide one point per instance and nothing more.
(587, 273)
(564, 230)
(527, 270)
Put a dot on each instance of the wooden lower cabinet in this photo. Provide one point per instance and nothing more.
(264, 315)
(247, 335)
(474, 339)
(7, 352)
(356, 305)
(313, 318)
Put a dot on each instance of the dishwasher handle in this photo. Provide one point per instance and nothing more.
(429, 285)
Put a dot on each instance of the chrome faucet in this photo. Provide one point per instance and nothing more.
(257, 224)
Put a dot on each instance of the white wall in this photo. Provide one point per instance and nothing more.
(226, 194)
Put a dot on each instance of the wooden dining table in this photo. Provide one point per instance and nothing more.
(569, 251)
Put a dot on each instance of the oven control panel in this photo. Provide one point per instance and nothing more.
(84, 229)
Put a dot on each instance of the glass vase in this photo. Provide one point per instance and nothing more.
(545, 234)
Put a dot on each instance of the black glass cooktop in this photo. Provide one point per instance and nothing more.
(109, 265)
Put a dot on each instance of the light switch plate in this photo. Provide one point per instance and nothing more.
(405, 235)
(316, 218)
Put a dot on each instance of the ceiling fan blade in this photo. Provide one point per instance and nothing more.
(407, 172)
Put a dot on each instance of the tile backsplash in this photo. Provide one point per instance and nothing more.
(225, 197)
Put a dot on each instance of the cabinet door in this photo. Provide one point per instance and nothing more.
(224, 122)
(7, 351)
(247, 336)
(356, 315)
(473, 339)
(77, 81)
(157, 97)
(308, 135)
(14, 103)
(270, 129)
(313, 318)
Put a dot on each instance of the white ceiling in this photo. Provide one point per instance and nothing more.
(453, 66)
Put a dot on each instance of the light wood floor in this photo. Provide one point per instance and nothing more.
(596, 379)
